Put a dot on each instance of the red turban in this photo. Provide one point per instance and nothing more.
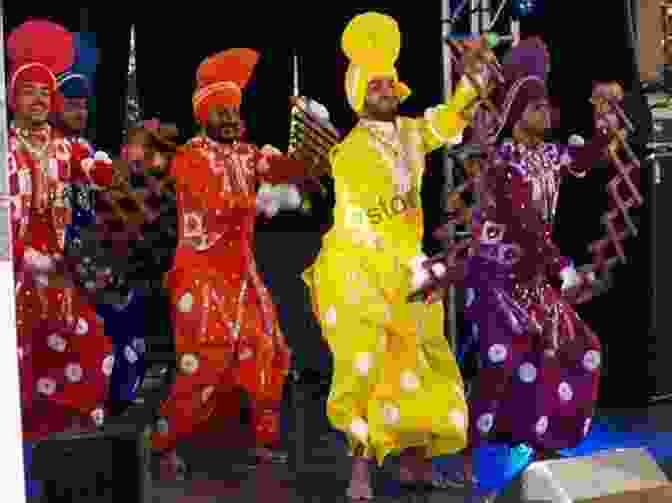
(37, 51)
(221, 79)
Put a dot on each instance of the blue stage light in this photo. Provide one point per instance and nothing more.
(523, 8)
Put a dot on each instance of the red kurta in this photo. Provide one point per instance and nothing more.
(64, 358)
(226, 329)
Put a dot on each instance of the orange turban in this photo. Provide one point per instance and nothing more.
(221, 79)
(37, 51)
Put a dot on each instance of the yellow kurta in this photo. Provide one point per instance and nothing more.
(396, 383)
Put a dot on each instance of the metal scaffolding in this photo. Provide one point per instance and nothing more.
(484, 17)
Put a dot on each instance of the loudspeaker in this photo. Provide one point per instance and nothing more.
(109, 465)
(618, 476)
(660, 207)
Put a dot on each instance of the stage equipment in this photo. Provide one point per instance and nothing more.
(617, 476)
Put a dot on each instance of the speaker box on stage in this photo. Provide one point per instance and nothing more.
(658, 170)
(101, 466)
(618, 476)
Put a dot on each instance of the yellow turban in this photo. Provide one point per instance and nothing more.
(371, 42)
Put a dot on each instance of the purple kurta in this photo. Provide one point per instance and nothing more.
(540, 363)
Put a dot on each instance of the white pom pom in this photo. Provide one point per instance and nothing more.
(292, 198)
(576, 141)
(318, 109)
(569, 278)
(102, 156)
(439, 269)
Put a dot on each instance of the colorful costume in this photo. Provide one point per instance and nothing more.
(540, 363)
(226, 331)
(65, 360)
(392, 362)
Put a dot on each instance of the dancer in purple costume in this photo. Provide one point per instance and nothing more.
(540, 363)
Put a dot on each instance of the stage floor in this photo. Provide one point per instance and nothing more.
(324, 473)
(324, 466)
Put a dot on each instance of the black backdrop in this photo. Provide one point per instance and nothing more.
(586, 43)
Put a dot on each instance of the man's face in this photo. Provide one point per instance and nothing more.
(537, 117)
(224, 124)
(382, 100)
(75, 114)
(33, 102)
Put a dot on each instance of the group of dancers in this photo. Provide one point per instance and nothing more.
(97, 241)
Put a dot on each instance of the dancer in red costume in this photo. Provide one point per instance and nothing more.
(226, 331)
(64, 358)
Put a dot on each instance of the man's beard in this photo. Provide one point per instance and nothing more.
(384, 110)
(225, 133)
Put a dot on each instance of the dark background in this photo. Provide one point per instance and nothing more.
(587, 42)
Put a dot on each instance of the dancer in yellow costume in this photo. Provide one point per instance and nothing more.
(396, 386)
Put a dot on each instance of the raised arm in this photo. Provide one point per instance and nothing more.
(444, 124)
(578, 158)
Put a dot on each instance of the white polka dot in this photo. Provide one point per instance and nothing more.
(98, 416)
(57, 343)
(527, 372)
(592, 360)
(139, 345)
(485, 422)
(162, 425)
(189, 363)
(586, 426)
(20, 352)
(359, 429)
(497, 353)
(470, 296)
(330, 317)
(206, 393)
(439, 269)
(186, 303)
(108, 365)
(130, 354)
(245, 354)
(74, 372)
(82, 327)
(46, 386)
(541, 426)
(391, 414)
(363, 363)
(458, 419)
(409, 381)
(565, 391)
